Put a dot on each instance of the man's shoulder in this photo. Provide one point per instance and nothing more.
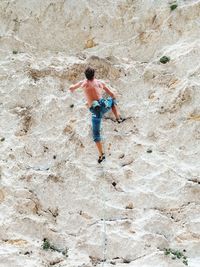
(100, 82)
(83, 83)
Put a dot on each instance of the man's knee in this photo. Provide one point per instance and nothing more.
(112, 102)
(97, 139)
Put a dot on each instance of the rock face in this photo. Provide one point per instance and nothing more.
(57, 206)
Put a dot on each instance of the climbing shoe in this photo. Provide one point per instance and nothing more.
(101, 158)
(120, 120)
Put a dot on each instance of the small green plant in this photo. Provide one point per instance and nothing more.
(173, 6)
(15, 52)
(47, 245)
(2, 139)
(176, 254)
(164, 59)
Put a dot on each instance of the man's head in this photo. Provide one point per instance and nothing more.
(89, 73)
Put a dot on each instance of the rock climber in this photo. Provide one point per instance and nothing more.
(98, 106)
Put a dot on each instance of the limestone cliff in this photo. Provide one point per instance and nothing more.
(58, 207)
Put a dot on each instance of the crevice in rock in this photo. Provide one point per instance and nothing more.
(26, 119)
(116, 260)
(194, 180)
(55, 262)
(54, 212)
(129, 162)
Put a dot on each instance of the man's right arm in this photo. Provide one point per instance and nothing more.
(75, 86)
(108, 91)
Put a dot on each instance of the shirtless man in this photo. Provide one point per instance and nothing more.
(98, 106)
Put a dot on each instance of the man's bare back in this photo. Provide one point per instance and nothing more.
(93, 90)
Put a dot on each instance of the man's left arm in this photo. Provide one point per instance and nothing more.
(108, 91)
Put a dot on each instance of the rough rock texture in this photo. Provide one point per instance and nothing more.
(148, 191)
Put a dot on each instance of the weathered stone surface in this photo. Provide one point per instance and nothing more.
(147, 196)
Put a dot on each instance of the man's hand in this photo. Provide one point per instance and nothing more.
(71, 89)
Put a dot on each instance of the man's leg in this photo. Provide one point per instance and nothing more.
(116, 112)
(99, 147)
(96, 130)
(110, 103)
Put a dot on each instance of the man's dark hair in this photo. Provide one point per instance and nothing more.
(89, 73)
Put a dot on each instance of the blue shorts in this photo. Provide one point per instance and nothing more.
(98, 109)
